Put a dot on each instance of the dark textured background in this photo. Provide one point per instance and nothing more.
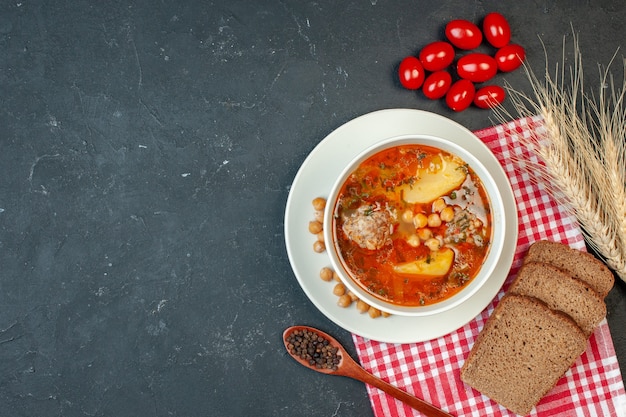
(146, 154)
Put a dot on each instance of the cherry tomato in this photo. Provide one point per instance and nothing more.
(463, 34)
(477, 67)
(510, 57)
(497, 30)
(436, 85)
(411, 73)
(460, 95)
(489, 96)
(436, 56)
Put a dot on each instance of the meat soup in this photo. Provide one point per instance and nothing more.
(412, 225)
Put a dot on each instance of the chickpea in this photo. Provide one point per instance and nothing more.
(385, 314)
(434, 220)
(315, 227)
(439, 204)
(339, 290)
(320, 237)
(407, 216)
(319, 216)
(326, 274)
(336, 276)
(353, 296)
(433, 244)
(362, 306)
(319, 247)
(420, 220)
(319, 203)
(447, 214)
(424, 234)
(413, 240)
(373, 312)
(344, 301)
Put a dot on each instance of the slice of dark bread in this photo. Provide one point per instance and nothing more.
(523, 350)
(560, 291)
(581, 265)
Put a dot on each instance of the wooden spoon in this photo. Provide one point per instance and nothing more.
(346, 366)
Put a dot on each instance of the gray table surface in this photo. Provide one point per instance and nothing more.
(146, 154)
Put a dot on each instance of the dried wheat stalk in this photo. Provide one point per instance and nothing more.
(612, 109)
(582, 151)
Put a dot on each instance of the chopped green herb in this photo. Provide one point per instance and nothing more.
(463, 168)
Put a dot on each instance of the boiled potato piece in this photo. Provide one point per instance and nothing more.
(435, 181)
(437, 264)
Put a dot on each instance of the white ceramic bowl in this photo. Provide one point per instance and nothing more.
(497, 217)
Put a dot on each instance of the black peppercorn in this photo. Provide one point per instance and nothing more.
(314, 349)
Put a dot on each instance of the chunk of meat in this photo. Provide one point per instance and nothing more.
(465, 227)
(368, 227)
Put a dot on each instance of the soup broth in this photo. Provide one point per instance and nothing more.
(412, 225)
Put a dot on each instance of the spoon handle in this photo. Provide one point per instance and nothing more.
(357, 372)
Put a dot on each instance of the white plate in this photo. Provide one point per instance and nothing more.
(315, 178)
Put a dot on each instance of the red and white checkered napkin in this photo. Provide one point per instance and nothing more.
(430, 370)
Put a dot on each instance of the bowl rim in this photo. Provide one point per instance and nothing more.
(497, 218)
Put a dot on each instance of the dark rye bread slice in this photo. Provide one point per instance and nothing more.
(523, 350)
(581, 265)
(560, 291)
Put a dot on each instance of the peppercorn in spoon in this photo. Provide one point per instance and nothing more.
(323, 353)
